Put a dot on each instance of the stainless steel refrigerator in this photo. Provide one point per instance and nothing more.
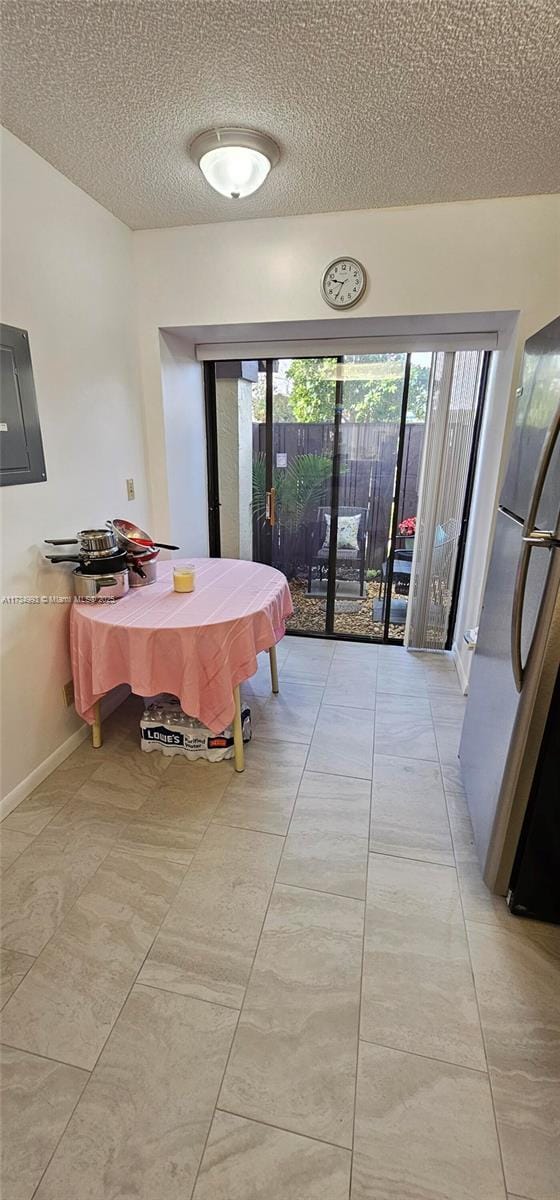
(518, 649)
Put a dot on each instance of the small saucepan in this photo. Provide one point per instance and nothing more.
(97, 543)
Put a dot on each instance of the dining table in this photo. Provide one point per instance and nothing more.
(198, 646)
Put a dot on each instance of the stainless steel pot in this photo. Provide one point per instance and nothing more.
(93, 543)
(142, 569)
(100, 587)
(98, 541)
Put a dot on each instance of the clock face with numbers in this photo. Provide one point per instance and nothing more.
(343, 283)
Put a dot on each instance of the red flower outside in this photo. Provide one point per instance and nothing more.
(408, 527)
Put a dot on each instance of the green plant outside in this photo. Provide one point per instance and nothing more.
(376, 398)
(299, 488)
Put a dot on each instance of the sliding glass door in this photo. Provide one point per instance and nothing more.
(379, 449)
(314, 468)
(453, 421)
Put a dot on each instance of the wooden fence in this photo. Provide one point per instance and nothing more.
(368, 460)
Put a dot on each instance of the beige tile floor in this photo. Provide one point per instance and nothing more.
(286, 985)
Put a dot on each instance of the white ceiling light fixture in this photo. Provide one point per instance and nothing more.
(235, 162)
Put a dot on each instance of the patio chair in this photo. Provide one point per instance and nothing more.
(445, 537)
(402, 568)
(319, 544)
(442, 561)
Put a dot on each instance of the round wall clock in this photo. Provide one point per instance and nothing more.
(343, 282)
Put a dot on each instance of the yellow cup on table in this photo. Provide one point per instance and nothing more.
(183, 578)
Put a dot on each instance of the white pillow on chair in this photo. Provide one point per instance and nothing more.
(347, 528)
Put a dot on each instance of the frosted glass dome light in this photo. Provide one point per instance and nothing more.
(235, 162)
(234, 171)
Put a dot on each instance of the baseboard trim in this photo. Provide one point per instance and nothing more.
(32, 781)
(463, 680)
(109, 703)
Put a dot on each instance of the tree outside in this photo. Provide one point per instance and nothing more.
(372, 390)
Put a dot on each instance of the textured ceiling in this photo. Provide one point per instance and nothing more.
(373, 102)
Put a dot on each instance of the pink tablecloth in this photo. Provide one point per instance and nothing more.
(197, 646)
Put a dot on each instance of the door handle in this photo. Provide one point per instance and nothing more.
(531, 537)
(270, 507)
(543, 537)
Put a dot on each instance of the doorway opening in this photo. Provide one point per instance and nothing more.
(314, 467)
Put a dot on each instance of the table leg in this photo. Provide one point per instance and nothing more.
(238, 751)
(274, 669)
(96, 736)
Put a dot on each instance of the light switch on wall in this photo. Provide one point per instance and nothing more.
(130, 489)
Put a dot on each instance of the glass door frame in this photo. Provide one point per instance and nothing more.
(212, 475)
(214, 536)
(465, 517)
(270, 519)
(335, 493)
(329, 630)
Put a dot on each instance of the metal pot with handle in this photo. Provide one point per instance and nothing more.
(142, 569)
(100, 587)
(96, 543)
(134, 539)
(142, 551)
(106, 565)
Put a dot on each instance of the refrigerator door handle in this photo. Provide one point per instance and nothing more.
(531, 537)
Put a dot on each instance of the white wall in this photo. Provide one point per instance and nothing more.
(245, 469)
(477, 256)
(67, 279)
(234, 425)
(490, 466)
(184, 480)
(480, 257)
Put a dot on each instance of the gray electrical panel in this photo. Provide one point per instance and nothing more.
(21, 446)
